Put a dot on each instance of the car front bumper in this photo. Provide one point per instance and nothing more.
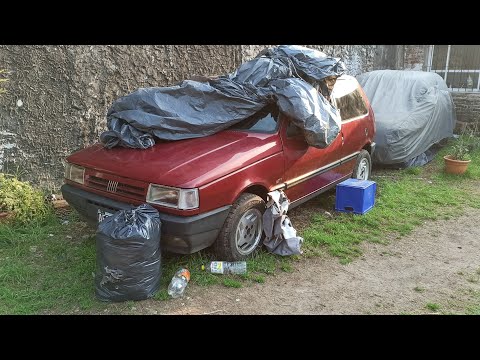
(179, 234)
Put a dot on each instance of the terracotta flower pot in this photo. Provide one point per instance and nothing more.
(455, 166)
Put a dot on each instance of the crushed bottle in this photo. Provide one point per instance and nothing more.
(179, 282)
(226, 267)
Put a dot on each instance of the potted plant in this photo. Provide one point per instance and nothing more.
(457, 161)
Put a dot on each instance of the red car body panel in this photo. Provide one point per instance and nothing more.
(184, 163)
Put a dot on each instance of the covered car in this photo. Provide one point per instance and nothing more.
(413, 110)
(287, 75)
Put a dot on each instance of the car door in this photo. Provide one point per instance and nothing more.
(357, 122)
(309, 170)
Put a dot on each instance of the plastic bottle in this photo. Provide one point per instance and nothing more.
(179, 282)
(225, 267)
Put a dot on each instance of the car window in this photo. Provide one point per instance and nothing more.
(351, 105)
(347, 95)
(264, 121)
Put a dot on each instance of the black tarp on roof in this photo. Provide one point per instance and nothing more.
(285, 75)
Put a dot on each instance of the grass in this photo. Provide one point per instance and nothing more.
(433, 306)
(405, 199)
(228, 282)
(474, 307)
(40, 272)
(48, 267)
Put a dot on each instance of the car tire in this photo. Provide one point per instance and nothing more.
(242, 233)
(363, 166)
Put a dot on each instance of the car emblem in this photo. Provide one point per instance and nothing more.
(112, 186)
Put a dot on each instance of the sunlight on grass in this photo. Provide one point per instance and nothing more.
(404, 201)
(228, 282)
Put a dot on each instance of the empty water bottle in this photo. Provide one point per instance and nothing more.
(179, 282)
(226, 267)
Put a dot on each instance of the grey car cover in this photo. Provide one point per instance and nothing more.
(413, 111)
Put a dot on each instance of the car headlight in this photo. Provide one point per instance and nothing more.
(183, 199)
(75, 173)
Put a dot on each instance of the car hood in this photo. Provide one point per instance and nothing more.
(184, 163)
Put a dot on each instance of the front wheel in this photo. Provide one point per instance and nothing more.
(363, 166)
(242, 232)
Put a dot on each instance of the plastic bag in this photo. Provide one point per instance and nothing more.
(128, 255)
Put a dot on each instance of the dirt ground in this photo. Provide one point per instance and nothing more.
(437, 264)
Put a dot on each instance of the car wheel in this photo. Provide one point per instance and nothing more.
(363, 166)
(242, 233)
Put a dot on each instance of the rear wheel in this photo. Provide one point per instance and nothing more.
(242, 233)
(363, 166)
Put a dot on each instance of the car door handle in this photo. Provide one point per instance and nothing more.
(343, 140)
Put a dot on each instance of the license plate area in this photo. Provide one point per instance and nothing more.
(102, 215)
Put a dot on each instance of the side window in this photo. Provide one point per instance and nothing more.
(351, 105)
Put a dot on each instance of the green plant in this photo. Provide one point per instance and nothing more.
(472, 138)
(460, 151)
(467, 142)
(20, 198)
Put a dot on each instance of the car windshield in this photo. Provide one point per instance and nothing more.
(264, 121)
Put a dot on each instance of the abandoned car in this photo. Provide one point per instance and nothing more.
(212, 190)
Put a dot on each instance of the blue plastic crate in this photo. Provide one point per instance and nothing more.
(355, 196)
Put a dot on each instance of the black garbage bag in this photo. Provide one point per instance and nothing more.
(128, 255)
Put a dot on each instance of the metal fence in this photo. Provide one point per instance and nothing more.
(458, 65)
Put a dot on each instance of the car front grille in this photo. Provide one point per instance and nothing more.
(116, 187)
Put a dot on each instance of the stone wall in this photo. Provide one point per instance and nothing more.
(468, 111)
(414, 57)
(58, 96)
(357, 58)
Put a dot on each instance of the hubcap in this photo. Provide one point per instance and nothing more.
(249, 231)
(363, 170)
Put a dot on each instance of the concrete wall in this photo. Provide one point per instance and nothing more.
(401, 57)
(58, 96)
(357, 58)
(389, 57)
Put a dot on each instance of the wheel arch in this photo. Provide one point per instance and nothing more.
(368, 147)
(255, 189)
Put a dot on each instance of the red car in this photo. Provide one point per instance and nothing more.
(212, 190)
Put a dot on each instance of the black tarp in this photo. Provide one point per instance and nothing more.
(285, 75)
(413, 111)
